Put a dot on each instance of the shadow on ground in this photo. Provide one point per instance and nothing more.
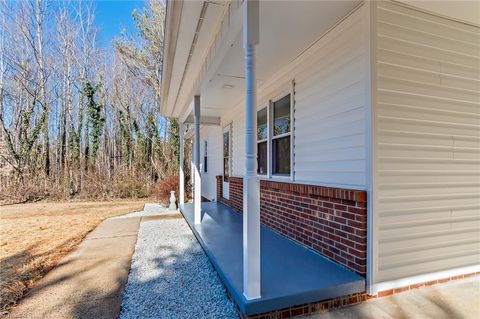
(173, 277)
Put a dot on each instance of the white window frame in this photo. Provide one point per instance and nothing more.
(270, 137)
(267, 139)
(227, 128)
(205, 156)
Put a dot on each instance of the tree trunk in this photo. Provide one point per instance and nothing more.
(43, 94)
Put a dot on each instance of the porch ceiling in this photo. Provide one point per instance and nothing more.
(286, 30)
(290, 273)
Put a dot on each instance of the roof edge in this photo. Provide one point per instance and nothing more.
(172, 25)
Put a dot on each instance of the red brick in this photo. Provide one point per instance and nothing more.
(328, 220)
(385, 293)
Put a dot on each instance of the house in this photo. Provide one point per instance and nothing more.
(337, 141)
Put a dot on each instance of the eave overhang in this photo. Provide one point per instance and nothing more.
(172, 25)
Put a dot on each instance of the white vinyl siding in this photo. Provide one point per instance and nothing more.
(213, 136)
(427, 132)
(330, 100)
(329, 109)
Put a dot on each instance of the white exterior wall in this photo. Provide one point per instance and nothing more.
(330, 108)
(426, 147)
(213, 136)
(329, 122)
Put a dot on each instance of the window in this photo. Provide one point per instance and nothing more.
(281, 137)
(262, 141)
(226, 155)
(205, 159)
(274, 138)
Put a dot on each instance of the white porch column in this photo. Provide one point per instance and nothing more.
(197, 198)
(192, 169)
(251, 183)
(181, 174)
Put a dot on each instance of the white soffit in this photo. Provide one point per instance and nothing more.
(286, 30)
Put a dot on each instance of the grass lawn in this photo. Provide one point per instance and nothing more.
(34, 237)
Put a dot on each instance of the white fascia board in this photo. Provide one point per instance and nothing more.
(172, 25)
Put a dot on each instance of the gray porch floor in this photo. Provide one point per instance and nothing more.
(290, 273)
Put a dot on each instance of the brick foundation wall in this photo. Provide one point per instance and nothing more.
(235, 192)
(339, 302)
(308, 309)
(330, 221)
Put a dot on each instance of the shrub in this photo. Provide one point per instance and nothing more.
(162, 189)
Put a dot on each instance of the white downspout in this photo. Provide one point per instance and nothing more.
(251, 182)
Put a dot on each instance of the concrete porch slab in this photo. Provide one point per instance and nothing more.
(290, 273)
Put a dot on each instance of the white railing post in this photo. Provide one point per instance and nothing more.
(197, 198)
(181, 174)
(251, 183)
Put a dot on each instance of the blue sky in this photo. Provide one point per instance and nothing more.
(111, 16)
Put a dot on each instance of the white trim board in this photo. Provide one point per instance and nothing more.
(404, 282)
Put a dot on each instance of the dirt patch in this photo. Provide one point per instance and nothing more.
(34, 237)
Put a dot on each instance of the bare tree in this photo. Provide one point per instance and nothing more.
(75, 119)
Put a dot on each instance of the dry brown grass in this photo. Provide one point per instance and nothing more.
(34, 237)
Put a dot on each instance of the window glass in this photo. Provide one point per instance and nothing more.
(225, 169)
(226, 142)
(262, 158)
(281, 155)
(226, 156)
(205, 159)
(281, 116)
(262, 128)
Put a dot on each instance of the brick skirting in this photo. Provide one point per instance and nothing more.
(330, 221)
(339, 302)
(308, 308)
(235, 192)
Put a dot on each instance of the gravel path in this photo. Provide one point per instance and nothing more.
(171, 277)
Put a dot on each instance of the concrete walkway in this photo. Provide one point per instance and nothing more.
(458, 299)
(87, 283)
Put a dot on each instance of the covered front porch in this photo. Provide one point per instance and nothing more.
(291, 274)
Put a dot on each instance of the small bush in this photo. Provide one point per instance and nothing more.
(129, 189)
(162, 189)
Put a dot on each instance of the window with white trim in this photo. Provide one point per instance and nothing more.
(274, 138)
(281, 136)
(226, 155)
(205, 158)
(262, 141)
